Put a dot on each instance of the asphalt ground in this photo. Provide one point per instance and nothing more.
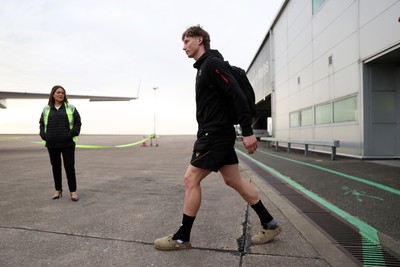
(369, 190)
(131, 195)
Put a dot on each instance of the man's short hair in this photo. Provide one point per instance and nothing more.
(198, 31)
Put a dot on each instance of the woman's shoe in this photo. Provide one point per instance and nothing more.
(57, 194)
(74, 196)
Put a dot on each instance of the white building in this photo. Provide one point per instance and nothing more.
(330, 69)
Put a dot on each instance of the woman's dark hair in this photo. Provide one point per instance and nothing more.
(53, 90)
(198, 31)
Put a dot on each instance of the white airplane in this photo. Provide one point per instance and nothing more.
(4, 95)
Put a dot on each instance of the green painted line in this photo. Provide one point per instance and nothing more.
(359, 194)
(366, 231)
(354, 178)
(372, 255)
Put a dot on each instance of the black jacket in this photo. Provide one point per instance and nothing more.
(218, 95)
(58, 133)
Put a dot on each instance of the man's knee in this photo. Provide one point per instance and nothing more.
(188, 181)
(194, 176)
(234, 183)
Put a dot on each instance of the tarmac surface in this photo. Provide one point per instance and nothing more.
(131, 195)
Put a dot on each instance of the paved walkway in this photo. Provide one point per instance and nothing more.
(132, 195)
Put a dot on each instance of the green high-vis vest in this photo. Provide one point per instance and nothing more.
(70, 114)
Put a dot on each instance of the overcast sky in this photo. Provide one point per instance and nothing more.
(100, 47)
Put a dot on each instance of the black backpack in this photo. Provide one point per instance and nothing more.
(247, 89)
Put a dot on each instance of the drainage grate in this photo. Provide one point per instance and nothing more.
(360, 248)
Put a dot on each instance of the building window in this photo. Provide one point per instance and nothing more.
(295, 119)
(338, 111)
(306, 117)
(301, 118)
(345, 110)
(323, 114)
(316, 4)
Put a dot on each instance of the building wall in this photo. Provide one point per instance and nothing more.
(317, 60)
(379, 39)
(379, 26)
(260, 74)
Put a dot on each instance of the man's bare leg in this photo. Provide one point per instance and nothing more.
(191, 206)
(192, 202)
(232, 178)
(192, 180)
(269, 227)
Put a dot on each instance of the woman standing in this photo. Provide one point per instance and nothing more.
(60, 124)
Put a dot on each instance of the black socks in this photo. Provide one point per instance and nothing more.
(266, 219)
(183, 233)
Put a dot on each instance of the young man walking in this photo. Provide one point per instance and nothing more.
(219, 102)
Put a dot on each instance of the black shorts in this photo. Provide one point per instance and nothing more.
(212, 152)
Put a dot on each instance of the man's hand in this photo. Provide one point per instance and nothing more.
(250, 143)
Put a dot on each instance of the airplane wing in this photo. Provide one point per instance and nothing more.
(25, 95)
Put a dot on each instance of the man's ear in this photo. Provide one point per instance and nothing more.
(200, 40)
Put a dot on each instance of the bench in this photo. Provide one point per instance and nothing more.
(330, 143)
